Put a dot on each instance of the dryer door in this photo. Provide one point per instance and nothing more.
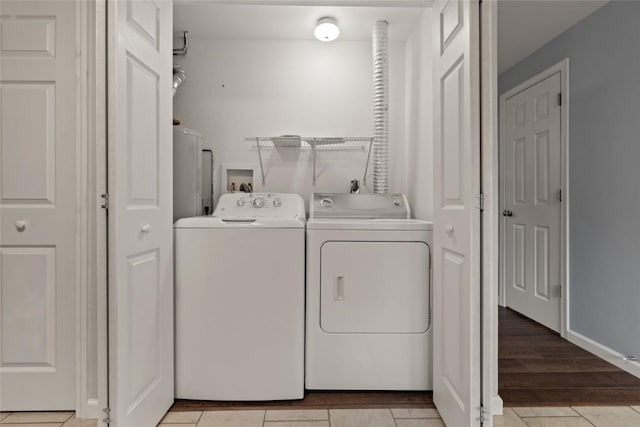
(375, 287)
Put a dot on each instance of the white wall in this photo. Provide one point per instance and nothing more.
(240, 88)
(419, 119)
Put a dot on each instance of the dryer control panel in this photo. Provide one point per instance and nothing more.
(359, 206)
(260, 205)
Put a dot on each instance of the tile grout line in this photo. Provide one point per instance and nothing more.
(573, 408)
(583, 417)
(520, 418)
(524, 419)
(561, 417)
(395, 422)
(589, 421)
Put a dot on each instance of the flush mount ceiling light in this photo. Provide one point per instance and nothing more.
(327, 29)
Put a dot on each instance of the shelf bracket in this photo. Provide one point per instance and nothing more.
(366, 166)
(260, 158)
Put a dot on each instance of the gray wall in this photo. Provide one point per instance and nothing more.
(604, 167)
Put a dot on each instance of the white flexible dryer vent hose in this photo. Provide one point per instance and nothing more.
(179, 76)
(380, 107)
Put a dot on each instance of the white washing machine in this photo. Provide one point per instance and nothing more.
(368, 294)
(240, 300)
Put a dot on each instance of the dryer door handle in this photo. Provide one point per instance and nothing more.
(338, 292)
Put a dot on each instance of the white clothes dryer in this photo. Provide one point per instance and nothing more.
(240, 300)
(368, 294)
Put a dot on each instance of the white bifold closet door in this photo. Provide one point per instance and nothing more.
(141, 382)
(456, 267)
(38, 205)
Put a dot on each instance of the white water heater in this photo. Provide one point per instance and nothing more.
(192, 174)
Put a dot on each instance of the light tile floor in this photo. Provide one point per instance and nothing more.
(598, 416)
(577, 416)
(43, 419)
(308, 418)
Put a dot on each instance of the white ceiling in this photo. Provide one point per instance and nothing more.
(215, 20)
(524, 26)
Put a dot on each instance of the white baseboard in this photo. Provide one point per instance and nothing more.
(497, 406)
(604, 352)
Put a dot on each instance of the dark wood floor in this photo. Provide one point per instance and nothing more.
(323, 400)
(538, 368)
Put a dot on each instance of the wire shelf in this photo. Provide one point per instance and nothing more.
(309, 143)
(314, 144)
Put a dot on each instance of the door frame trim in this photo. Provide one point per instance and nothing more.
(491, 399)
(91, 240)
(99, 156)
(84, 404)
(561, 67)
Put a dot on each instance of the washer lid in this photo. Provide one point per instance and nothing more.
(349, 205)
(368, 224)
(204, 222)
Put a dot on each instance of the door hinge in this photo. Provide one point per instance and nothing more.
(560, 98)
(481, 202)
(105, 205)
(559, 195)
(107, 415)
(483, 414)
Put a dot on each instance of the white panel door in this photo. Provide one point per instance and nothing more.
(38, 208)
(456, 267)
(141, 383)
(532, 154)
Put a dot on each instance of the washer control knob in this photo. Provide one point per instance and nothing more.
(327, 202)
(277, 203)
(241, 202)
(258, 202)
(397, 202)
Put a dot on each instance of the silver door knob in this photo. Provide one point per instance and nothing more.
(21, 225)
(507, 212)
(145, 228)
